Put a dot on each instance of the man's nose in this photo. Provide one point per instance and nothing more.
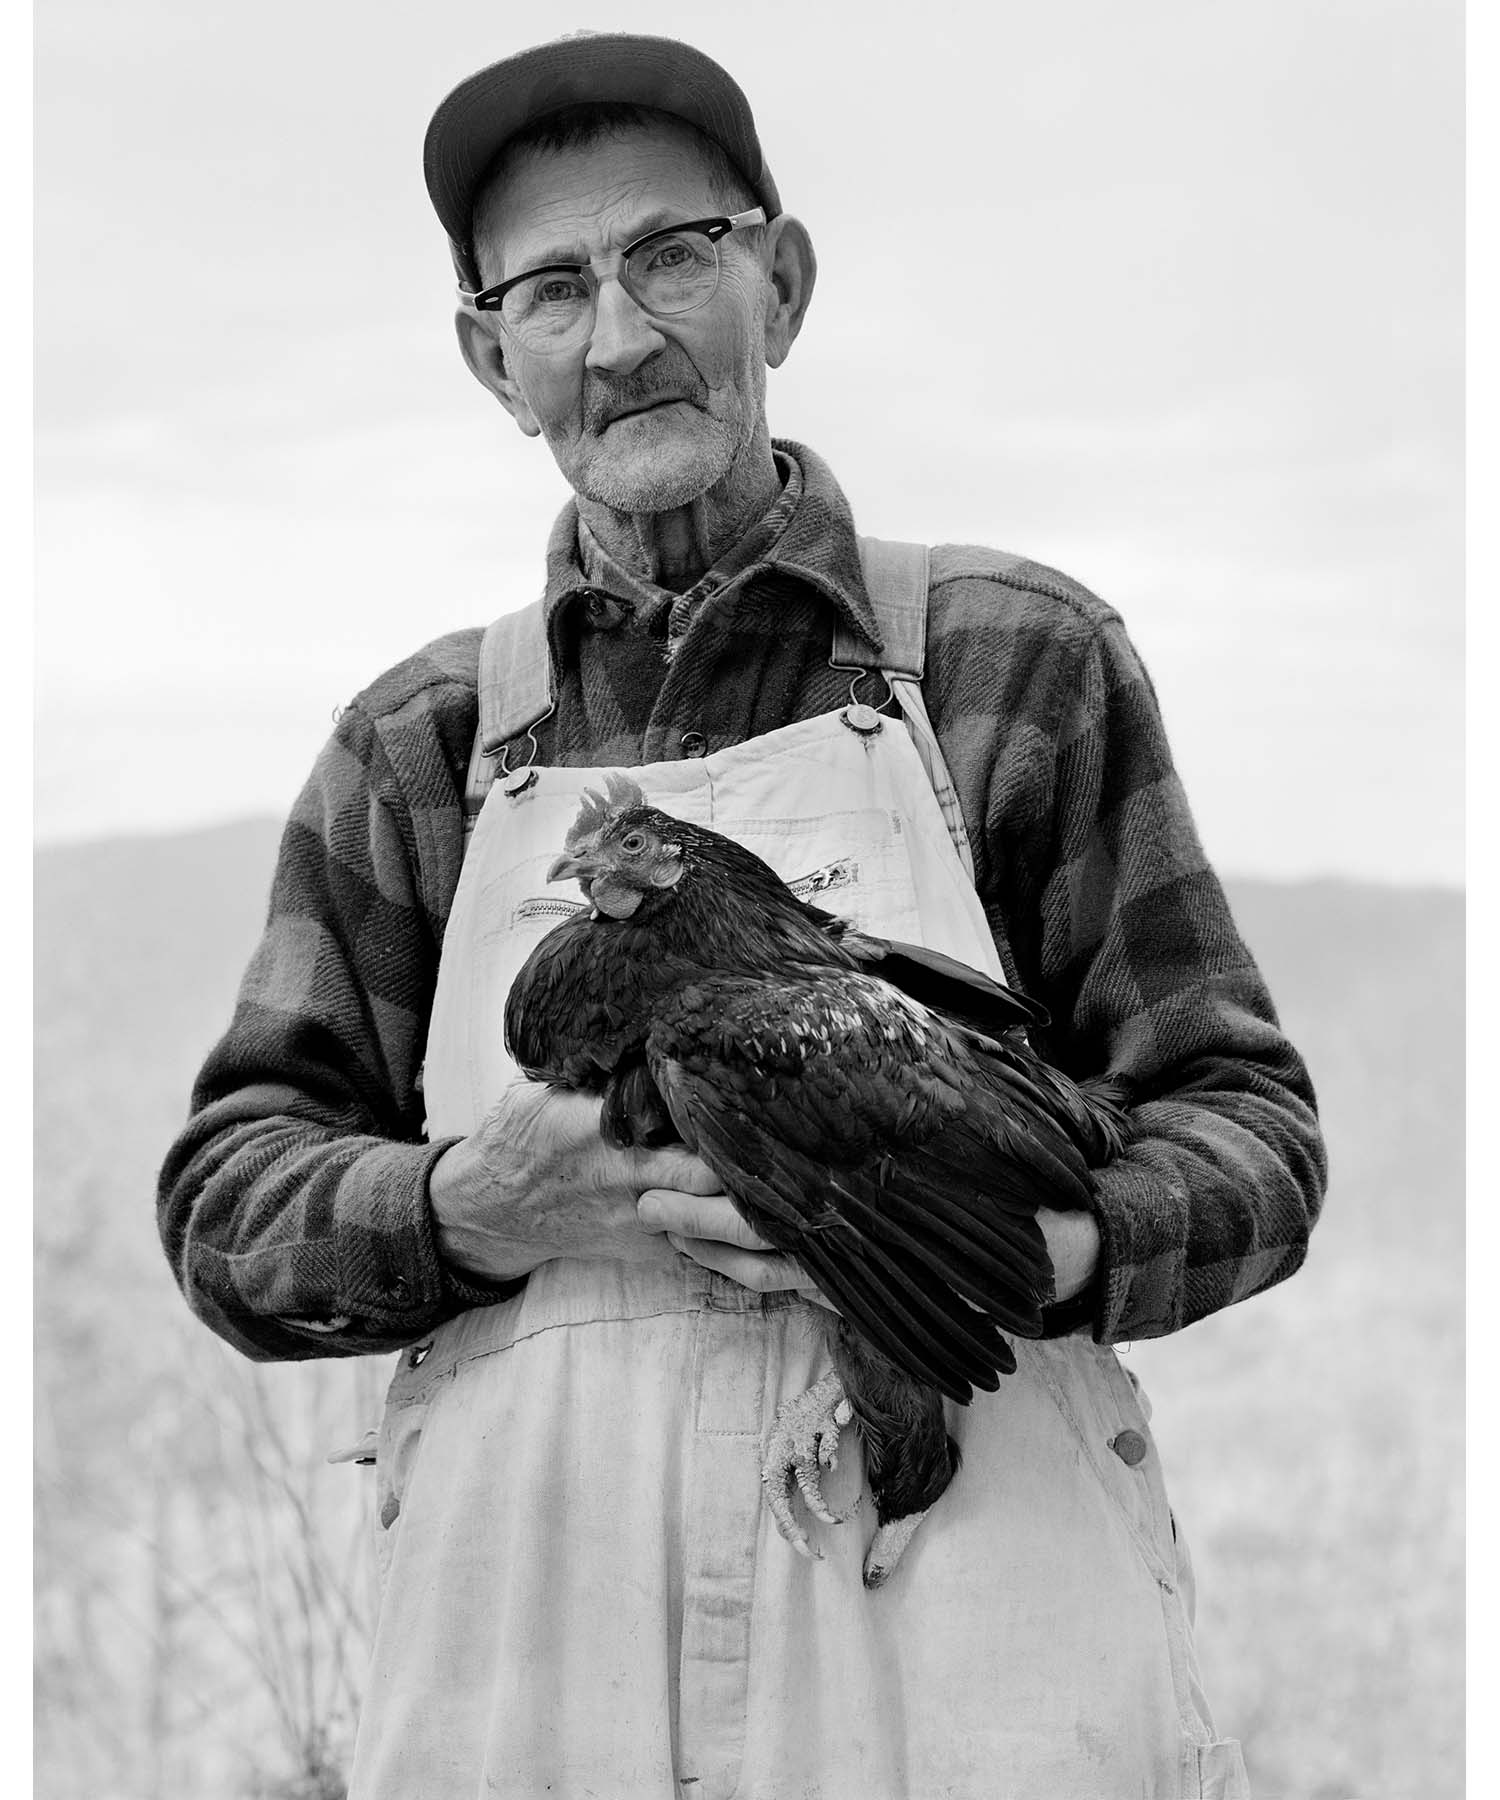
(624, 334)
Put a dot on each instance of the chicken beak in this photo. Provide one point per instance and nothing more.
(577, 868)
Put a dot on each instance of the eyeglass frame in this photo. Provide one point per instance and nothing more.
(718, 226)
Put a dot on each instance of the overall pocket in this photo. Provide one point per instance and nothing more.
(398, 1442)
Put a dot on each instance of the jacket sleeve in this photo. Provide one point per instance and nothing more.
(293, 1206)
(1147, 979)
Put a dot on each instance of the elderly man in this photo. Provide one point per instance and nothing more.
(583, 1594)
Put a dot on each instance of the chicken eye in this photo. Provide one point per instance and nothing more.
(634, 843)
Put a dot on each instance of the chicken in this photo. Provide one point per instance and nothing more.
(871, 1108)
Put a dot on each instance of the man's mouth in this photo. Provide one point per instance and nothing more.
(646, 406)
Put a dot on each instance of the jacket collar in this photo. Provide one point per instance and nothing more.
(814, 542)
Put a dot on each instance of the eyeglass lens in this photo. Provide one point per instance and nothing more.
(670, 272)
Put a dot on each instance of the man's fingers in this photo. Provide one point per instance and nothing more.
(744, 1261)
(680, 1172)
(750, 1268)
(709, 1216)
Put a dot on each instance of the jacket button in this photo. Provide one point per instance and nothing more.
(604, 611)
(1130, 1447)
(694, 743)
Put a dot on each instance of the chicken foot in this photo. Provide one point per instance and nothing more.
(801, 1444)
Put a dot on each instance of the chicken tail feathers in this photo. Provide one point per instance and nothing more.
(944, 984)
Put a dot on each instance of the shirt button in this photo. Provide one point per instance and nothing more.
(694, 743)
(1130, 1447)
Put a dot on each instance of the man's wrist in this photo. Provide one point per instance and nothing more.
(460, 1199)
(448, 1186)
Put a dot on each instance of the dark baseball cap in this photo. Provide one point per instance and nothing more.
(482, 114)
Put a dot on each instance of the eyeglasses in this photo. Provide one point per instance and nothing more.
(667, 272)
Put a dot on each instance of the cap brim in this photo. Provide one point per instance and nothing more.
(482, 114)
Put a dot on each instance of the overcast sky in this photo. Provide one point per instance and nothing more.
(1169, 296)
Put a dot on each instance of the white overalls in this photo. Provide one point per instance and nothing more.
(583, 1593)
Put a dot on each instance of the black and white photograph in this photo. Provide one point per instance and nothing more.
(749, 902)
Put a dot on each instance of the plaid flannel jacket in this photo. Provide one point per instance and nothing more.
(293, 1206)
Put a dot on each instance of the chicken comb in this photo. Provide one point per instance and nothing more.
(599, 811)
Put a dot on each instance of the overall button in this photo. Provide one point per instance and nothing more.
(694, 743)
(861, 718)
(1130, 1447)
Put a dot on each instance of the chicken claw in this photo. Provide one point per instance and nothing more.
(802, 1443)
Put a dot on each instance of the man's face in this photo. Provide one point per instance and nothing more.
(650, 412)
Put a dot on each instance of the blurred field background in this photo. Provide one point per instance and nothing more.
(203, 1587)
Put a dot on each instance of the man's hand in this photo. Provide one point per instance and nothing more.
(1073, 1243)
(707, 1228)
(537, 1181)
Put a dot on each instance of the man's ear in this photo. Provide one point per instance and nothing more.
(481, 351)
(794, 270)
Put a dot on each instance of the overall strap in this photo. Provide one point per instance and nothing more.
(896, 577)
(515, 695)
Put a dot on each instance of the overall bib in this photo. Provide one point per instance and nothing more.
(583, 1593)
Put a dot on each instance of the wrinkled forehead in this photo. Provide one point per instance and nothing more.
(542, 201)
